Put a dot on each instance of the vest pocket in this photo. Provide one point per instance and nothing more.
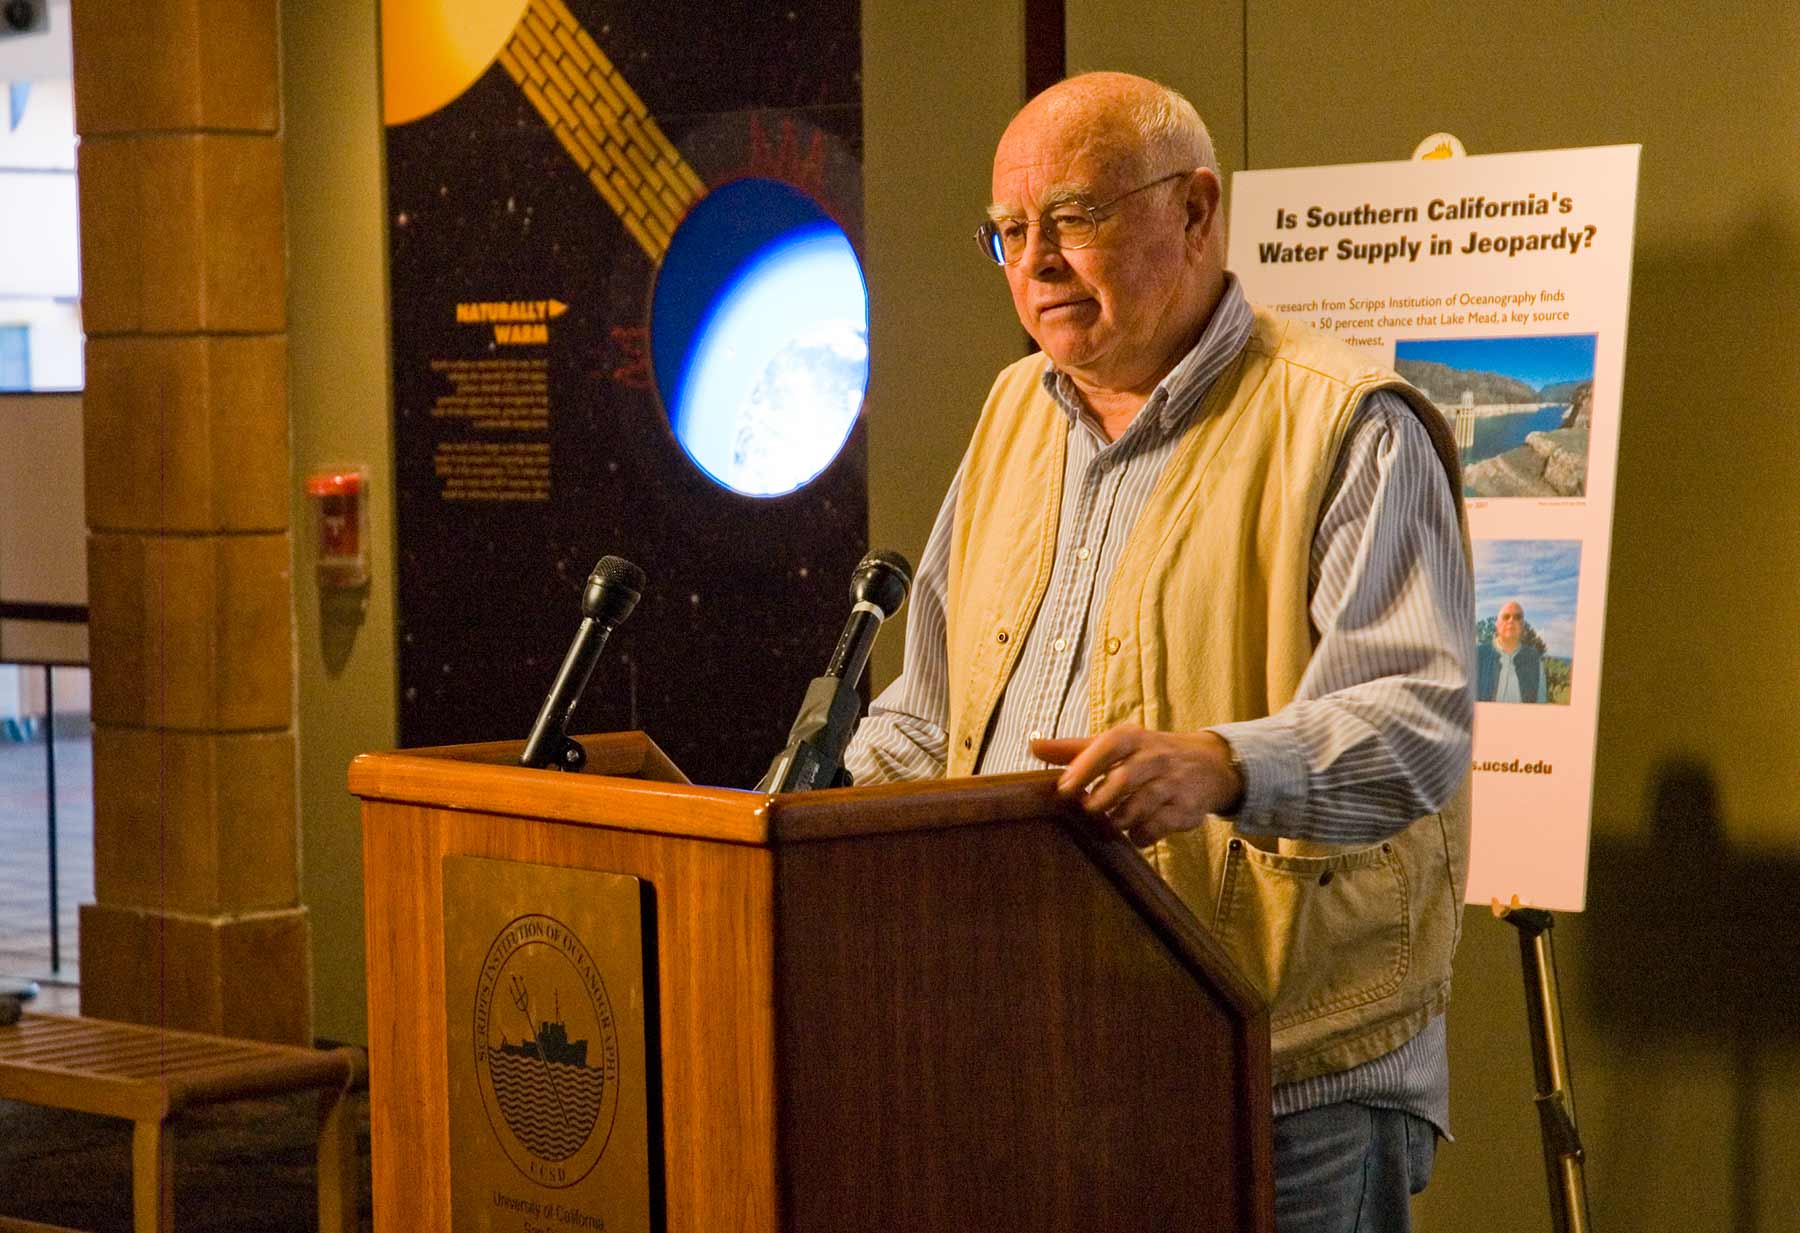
(1316, 934)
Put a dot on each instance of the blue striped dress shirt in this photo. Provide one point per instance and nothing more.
(1378, 731)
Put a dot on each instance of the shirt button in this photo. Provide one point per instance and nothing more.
(1035, 735)
(1112, 646)
(1060, 643)
(1081, 553)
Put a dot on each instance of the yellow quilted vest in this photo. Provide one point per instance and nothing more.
(1206, 622)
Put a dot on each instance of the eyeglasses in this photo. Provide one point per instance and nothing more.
(1066, 225)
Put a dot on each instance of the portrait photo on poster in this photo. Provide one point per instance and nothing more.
(1525, 601)
(1521, 408)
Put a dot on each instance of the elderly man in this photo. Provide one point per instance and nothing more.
(1233, 551)
(1507, 669)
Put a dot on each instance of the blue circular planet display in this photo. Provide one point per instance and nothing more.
(759, 336)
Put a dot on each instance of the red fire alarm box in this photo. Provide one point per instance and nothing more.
(343, 550)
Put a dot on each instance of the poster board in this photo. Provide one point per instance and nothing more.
(1500, 285)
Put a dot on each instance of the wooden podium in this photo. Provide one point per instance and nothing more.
(944, 1006)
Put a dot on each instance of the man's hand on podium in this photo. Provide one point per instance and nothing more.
(1147, 785)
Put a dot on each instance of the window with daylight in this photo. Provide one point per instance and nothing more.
(40, 258)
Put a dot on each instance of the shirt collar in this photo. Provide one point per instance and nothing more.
(1172, 402)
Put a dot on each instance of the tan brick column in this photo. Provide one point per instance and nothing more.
(198, 922)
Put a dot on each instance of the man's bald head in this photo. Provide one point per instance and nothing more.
(1150, 127)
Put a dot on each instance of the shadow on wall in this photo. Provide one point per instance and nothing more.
(341, 614)
(1692, 948)
(1689, 952)
(1704, 581)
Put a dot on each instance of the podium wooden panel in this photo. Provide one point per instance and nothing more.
(944, 1006)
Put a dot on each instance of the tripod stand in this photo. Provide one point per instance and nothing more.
(1563, 1155)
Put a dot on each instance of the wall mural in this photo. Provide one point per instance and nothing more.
(554, 169)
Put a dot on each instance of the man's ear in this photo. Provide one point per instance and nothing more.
(1204, 197)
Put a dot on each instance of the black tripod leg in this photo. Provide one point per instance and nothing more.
(1563, 1154)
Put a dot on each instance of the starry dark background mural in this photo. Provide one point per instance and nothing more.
(529, 436)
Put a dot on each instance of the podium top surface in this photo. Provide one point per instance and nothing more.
(630, 784)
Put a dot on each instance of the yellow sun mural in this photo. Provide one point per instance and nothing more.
(433, 50)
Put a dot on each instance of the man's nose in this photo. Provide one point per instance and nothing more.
(1042, 254)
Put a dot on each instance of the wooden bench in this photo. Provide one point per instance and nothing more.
(150, 1075)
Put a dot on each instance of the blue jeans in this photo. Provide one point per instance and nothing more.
(1350, 1168)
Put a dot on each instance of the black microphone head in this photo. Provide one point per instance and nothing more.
(612, 591)
(882, 578)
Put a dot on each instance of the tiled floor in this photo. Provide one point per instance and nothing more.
(243, 1167)
(24, 853)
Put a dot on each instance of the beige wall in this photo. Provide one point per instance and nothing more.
(1687, 1070)
(938, 83)
(1196, 47)
(338, 390)
(43, 539)
(43, 535)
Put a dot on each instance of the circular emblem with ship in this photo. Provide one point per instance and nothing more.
(546, 1050)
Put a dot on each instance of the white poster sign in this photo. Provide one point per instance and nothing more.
(1499, 285)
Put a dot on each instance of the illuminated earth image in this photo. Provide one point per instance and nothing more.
(760, 328)
(800, 410)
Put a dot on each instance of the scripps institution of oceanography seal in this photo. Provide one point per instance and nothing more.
(546, 1050)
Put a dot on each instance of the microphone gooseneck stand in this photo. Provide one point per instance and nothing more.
(612, 591)
(814, 755)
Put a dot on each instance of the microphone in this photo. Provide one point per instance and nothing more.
(814, 756)
(612, 591)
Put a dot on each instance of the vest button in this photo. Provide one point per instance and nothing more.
(1112, 646)
(1325, 878)
(1000, 637)
(1235, 845)
(968, 742)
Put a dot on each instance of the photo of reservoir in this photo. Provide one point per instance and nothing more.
(1520, 408)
